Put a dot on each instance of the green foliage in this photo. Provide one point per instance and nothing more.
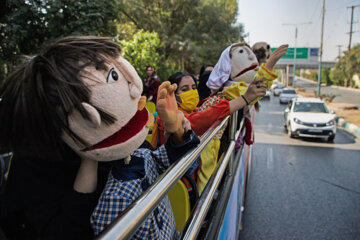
(26, 25)
(338, 77)
(143, 50)
(346, 67)
(325, 76)
(192, 32)
(312, 76)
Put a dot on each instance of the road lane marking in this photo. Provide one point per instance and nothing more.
(270, 159)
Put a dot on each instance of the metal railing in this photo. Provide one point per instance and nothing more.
(126, 224)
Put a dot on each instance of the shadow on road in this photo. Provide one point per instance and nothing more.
(339, 139)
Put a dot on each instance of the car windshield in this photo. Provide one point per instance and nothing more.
(279, 86)
(310, 107)
(289, 91)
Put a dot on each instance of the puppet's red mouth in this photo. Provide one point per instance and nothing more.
(134, 126)
(253, 66)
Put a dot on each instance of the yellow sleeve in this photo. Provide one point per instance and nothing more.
(235, 90)
(266, 74)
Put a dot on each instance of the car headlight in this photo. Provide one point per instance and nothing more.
(330, 123)
(298, 121)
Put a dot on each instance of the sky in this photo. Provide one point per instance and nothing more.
(274, 21)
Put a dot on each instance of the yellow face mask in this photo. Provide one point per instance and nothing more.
(189, 100)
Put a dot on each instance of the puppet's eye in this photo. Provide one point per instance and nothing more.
(241, 51)
(113, 76)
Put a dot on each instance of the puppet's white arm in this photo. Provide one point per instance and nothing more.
(86, 177)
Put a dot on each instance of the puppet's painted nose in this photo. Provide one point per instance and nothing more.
(142, 102)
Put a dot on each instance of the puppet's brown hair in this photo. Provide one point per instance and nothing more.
(39, 95)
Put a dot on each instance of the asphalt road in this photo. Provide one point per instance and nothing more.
(342, 94)
(301, 188)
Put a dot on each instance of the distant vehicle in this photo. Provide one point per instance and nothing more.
(267, 95)
(275, 83)
(286, 95)
(278, 89)
(309, 117)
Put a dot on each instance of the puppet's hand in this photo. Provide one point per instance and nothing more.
(168, 110)
(256, 89)
(276, 55)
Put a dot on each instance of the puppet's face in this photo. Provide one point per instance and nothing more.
(262, 51)
(116, 91)
(243, 64)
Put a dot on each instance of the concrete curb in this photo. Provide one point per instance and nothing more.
(352, 128)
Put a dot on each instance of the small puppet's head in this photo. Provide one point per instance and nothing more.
(243, 63)
(236, 63)
(79, 91)
(262, 51)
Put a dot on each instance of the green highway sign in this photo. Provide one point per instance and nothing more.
(301, 53)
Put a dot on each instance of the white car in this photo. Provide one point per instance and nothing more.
(309, 117)
(286, 95)
(278, 89)
(273, 85)
(267, 95)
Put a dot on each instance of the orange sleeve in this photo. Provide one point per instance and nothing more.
(161, 132)
(202, 121)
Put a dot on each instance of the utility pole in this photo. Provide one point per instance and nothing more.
(321, 45)
(296, 33)
(339, 54)
(350, 33)
(294, 68)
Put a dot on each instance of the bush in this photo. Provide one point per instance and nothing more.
(312, 76)
(325, 78)
(142, 50)
(338, 77)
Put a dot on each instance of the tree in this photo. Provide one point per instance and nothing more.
(192, 32)
(26, 25)
(346, 67)
(352, 63)
(143, 50)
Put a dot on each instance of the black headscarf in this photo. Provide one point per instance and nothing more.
(204, 91)
(202, 69)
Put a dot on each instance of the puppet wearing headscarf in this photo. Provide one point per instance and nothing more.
(235, 70)
(238, 64)
(63, 111)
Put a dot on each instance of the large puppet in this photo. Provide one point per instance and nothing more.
(238, 64)
(235, 70)
(63, 111)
